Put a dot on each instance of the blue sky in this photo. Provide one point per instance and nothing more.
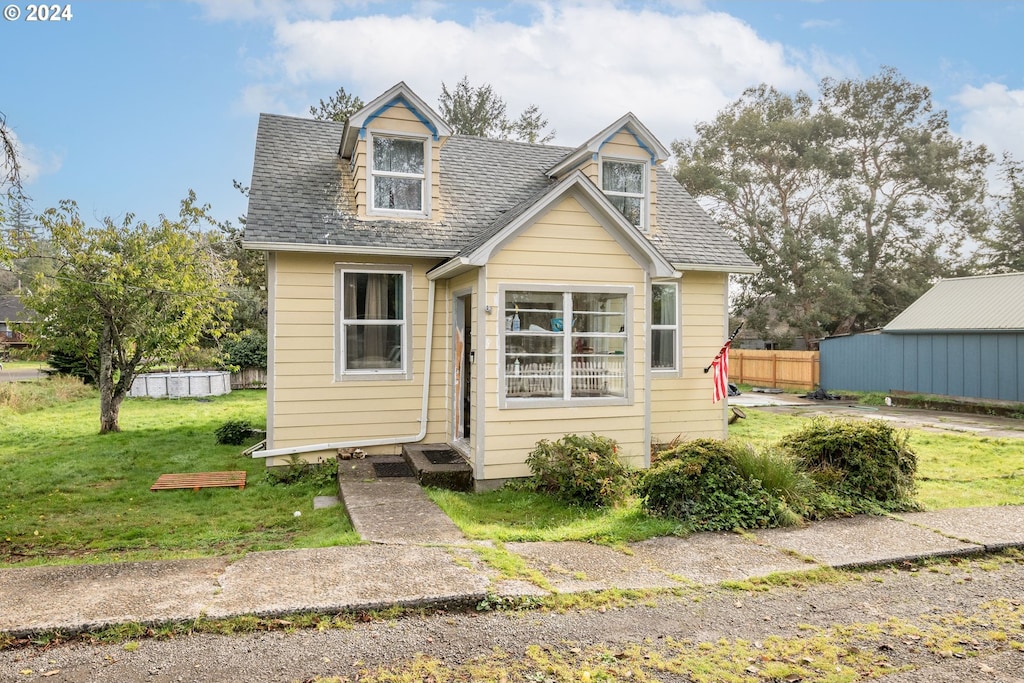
(129, 104)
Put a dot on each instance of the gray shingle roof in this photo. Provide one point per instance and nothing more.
(299, 196)
(983, 303)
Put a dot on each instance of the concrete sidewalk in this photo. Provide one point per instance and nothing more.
(449, 572)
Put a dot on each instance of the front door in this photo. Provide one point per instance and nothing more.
(462, 368)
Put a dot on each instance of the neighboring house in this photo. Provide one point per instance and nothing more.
(963, 337)
(439, 288)
(12, 316)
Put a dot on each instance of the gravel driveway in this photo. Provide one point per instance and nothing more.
(873, 615)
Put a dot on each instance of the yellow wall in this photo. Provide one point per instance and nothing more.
(539, 255)
(681, 406)
(397, 119)
(308, 405)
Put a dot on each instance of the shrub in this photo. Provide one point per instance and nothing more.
(580, 470)
(867, 462)
(322, 476)
(71, 364)
(249, 350)
(234, 432)
(700, 483)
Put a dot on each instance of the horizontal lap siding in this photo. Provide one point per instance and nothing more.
(681, 406)
(565, 247)
(309, 405)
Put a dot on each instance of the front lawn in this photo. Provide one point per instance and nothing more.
(68, 494)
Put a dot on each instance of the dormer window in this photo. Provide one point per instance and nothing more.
(398, 175)
(625, 184)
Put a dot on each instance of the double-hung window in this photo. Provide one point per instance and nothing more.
(624, 183)
(398, 175)
(373, 334)
(566, 345)
(665, 327)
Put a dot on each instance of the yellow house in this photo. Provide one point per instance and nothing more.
(427, 287)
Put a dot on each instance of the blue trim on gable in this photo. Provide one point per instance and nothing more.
(639, 142)
(399, 99)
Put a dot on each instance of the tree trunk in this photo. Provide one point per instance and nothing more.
(110, 398)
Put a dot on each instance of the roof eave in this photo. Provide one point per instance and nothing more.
(349, 249)
(734, 268)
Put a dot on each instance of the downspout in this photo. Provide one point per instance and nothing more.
(389, 441)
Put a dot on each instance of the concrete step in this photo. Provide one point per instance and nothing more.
(439, 465)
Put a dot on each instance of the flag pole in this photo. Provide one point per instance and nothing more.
(733, 336)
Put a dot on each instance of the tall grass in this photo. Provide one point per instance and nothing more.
(24, 397)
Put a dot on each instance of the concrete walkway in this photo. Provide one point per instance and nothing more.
(419, 567)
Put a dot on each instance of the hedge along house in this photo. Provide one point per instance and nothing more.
(964, 337)
(426, 287)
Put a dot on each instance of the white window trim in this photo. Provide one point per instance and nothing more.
(677, 348)
(426, 187)
(645, 182)
(506, 403)
(341, 373)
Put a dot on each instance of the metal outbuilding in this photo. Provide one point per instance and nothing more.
(963, 337)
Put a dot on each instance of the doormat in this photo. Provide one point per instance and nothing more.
(444, 457)
(392, 469)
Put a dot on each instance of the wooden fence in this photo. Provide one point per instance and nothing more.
(776, 369)
(249, 378)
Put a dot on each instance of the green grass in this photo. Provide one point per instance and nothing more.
(511, 514)
(68, 494)
(10, 365)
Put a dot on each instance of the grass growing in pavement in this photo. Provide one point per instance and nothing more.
(68, 494)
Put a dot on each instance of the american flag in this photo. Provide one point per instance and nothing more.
(721, 377)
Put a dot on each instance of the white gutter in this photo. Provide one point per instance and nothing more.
(392, 440)
(343, 249)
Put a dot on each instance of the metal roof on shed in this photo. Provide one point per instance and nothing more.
(982, 303)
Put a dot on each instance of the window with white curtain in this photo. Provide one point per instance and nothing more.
(625, 184)
(398, 174)
(373, 317)
(665, 326)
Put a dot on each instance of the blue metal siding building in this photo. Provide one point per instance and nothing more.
(964, 337)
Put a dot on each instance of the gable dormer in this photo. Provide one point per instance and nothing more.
(393, 149)
(621, 160)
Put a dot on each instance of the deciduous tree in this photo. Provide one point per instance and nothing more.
(126, 295)
(852, 204)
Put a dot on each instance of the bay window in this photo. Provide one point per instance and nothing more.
(566, 345)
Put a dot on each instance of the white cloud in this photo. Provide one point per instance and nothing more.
(820, 23)
(583, 65)
(34, 162)
(993, 115)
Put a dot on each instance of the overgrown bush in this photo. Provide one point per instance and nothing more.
(700, 483)
(867, 462)
(781, 476)
(580, 470)
(234, 432)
